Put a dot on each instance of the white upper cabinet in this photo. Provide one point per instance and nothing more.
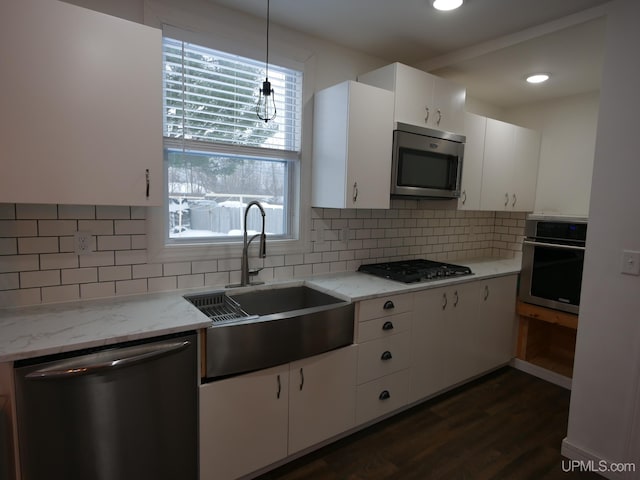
(353, 125)
(421, 99)
(81, 96)
(510, 166)
(475, 127)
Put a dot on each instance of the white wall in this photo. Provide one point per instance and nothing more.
(604, 400)
(568, 128)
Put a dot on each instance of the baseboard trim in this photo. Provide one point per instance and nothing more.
(591, 461)
(543, 373)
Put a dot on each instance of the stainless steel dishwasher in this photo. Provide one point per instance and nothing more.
(127, 412)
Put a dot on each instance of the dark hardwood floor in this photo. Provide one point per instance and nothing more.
(507, 425)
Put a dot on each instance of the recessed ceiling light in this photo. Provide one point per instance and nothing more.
(538, 78)
(446, 4)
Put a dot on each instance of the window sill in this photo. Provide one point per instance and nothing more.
(159, 252)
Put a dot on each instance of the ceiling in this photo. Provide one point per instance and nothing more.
(487, 45)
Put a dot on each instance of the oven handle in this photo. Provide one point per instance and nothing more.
(553, 245)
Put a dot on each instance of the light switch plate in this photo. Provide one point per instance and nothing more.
(630, 262)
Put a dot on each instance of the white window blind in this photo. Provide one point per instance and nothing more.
(211, 96)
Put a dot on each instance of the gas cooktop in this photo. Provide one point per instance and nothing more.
(409, 271)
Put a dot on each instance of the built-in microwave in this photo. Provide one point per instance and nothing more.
(426, 162)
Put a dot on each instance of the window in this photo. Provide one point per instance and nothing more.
(218, 154)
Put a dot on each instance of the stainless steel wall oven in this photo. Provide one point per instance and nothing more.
(552, 262)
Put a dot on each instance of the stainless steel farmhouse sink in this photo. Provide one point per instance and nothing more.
(262, 328)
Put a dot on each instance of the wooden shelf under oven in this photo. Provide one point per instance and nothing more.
(547, 338)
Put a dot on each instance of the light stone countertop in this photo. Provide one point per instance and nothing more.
(28, 332)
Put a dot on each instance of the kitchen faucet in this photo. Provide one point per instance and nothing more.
(245, 273)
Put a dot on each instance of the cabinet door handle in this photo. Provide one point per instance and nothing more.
(355, 192)
(146, 174)
(279, 387)
(387, 326)
(426, 119)
(301, 379)
(486, 292)
(439, 117)
(388, 305)
(455, 301)
(386, 355)
(384, 395)
(506, 199)
(515, 199)
(444, 301)
(464, 197)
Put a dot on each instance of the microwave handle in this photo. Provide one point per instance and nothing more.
(553, 245)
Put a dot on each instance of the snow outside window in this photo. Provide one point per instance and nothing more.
(218, 154)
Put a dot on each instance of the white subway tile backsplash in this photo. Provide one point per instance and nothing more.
(107, 274)
(42, 278)
(9, 281)
(114, 242)
(64, 293)
(113, 212)
(52, 261)
(138, 242)
(36, 211)
(22, 297)
(76, 211)
(161, 284)
(98, 290)
(131, 287)
(129, 227)
(19, 263)
(79, 275)
(147, 270)
(37, 248)
(191, 281)
(97, 259)
(18, 228)
(217, 279)
(207, 266)
(131, 257)
(178, 268)
(56, 228)
(8, 246)
(96, 227)
(37, 245)
(7, 211)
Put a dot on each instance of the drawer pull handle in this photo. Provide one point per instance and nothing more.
(384, 395)
(388, 305)
(444, 301)
(386, 355)
(455, 302)
(301, 379)
(279, 387)
(387, 326)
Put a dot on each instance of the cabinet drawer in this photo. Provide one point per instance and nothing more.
(381, 396)
(384, 306)
(383, 357)
(383, 327)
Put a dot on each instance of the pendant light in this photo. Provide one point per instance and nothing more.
(266, 106)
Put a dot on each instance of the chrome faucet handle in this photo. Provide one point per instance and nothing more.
(255, 271)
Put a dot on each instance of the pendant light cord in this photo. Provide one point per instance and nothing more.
(267, 64)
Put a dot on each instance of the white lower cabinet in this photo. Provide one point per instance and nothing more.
(322, 397)
(253, 420)
(409, 347)
(495, 328)
(459, 332)
(243, 423)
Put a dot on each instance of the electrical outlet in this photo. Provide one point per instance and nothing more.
(82, 242)
(630, 262)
